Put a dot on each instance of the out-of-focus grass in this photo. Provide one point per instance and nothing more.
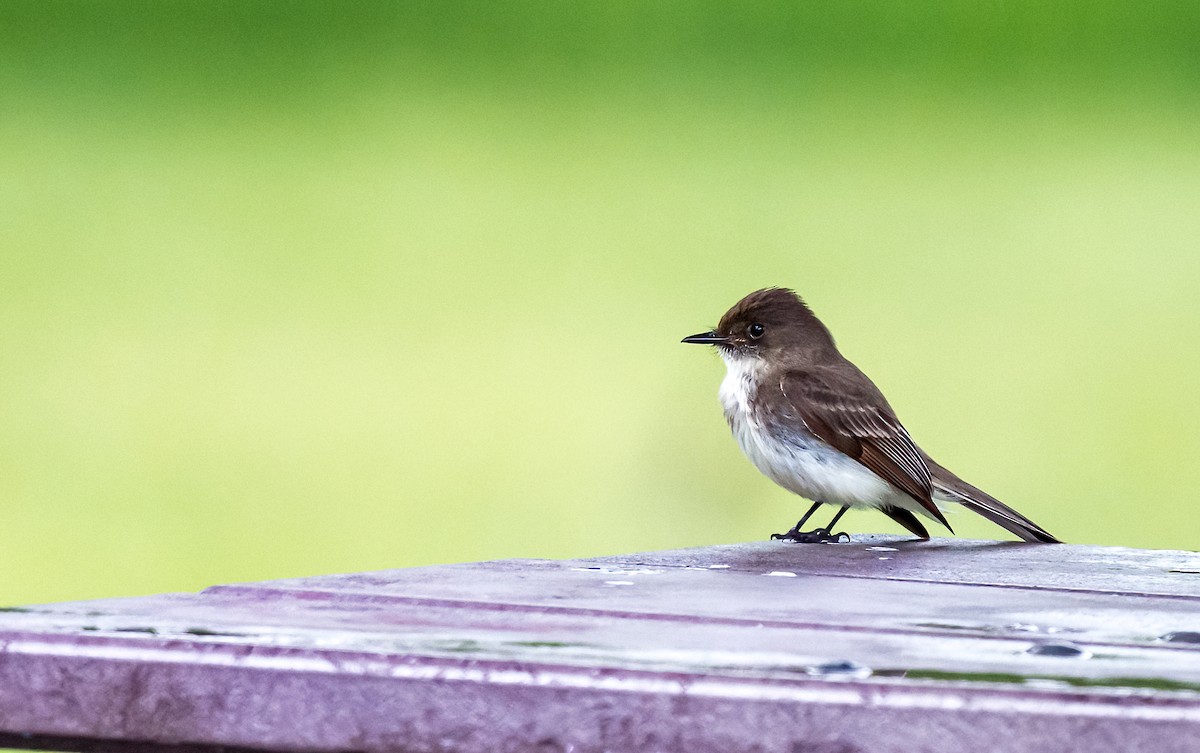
(300, 288)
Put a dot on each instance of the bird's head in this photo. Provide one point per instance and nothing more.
(772, 321)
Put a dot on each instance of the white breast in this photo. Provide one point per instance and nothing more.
(798, 461)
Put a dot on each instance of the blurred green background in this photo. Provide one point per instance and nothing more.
(292, 288)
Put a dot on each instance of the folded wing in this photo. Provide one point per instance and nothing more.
(861, 424)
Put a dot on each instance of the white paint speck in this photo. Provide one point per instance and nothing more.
(618, 583)
(782, 574)
(718, 567)
(882, 549)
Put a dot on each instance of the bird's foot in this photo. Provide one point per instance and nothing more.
(815, 536)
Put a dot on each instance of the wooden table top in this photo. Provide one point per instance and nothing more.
(879, 644)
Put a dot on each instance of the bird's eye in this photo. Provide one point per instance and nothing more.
(755, 330)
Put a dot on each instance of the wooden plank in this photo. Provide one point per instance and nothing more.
(997, 563)
(875, 645)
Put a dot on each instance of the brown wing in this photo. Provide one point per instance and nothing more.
(855, 419)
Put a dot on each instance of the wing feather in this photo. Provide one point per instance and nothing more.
(862, 425)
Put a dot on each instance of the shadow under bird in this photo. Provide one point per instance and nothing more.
(817, 426)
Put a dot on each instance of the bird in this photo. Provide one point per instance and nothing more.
(816, 425)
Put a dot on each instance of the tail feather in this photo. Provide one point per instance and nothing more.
(1011, 520)
(908, 520)
(979, 501)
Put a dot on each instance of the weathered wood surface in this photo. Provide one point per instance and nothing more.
(877, 645)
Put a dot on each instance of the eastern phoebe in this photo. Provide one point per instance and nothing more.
(817, 426)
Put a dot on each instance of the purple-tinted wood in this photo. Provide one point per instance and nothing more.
(876, 645)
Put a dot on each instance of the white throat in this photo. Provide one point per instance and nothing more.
(742, 377)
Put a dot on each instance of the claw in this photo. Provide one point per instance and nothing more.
(815, 536)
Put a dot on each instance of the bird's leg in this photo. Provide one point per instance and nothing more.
(829, 528)
(817, 535)
(792, 534)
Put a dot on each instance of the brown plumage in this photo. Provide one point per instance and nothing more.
(800, 411)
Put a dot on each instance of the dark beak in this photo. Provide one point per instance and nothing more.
(705, 338)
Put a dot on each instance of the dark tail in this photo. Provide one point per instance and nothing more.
(988, 506)
(908, 520)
